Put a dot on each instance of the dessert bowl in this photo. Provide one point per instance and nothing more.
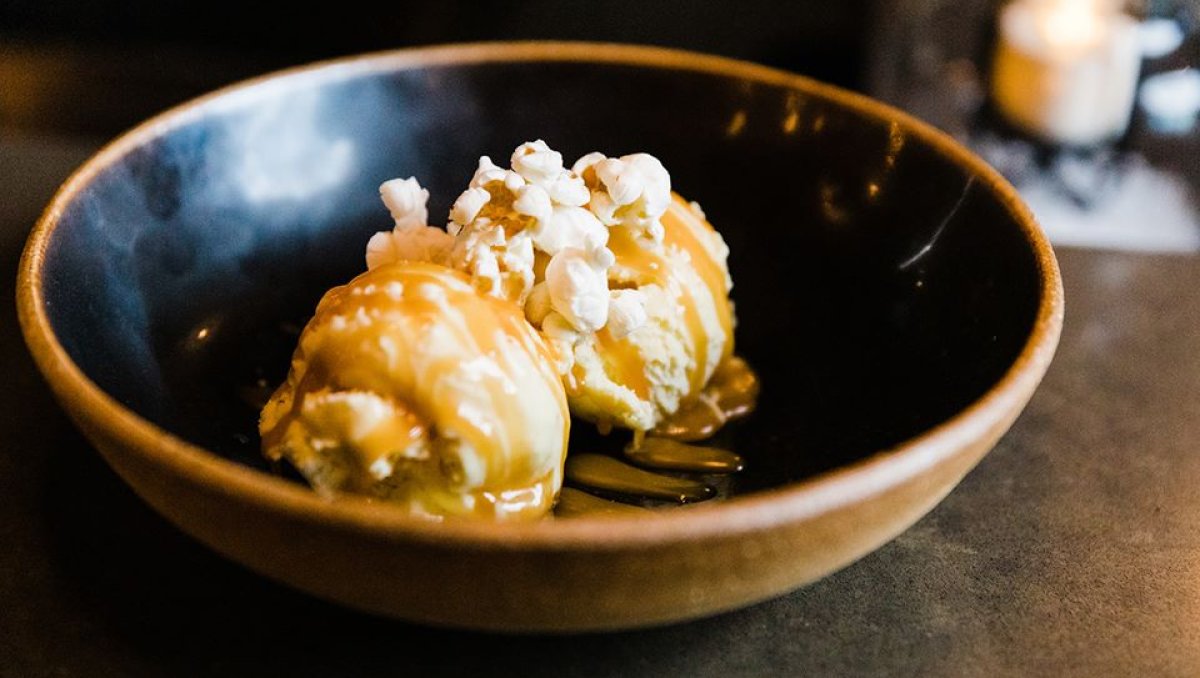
(897, 299)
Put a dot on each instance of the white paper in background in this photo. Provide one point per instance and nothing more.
(1147, 210)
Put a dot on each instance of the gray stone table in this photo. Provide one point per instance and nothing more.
(1072, 550)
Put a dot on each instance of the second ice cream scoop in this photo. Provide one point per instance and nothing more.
(636, 379)
(410, 386)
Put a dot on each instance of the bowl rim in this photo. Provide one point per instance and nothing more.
(760, 510)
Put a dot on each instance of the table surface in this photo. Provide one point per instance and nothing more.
(1073, 549)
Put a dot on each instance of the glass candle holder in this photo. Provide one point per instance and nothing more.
(1066, 71)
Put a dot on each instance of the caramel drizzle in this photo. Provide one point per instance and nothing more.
(671, 455)
(604, 473)
(625, 364)
(687, 237)
(573, 502)
(730, 394)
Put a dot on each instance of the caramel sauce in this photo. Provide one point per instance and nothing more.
(730, 394)
(696, 419)
(700, 338)
(573, 502)
(683, 231)
(600, 472)
(540, 261)
(648, 266)
(682, 228)
(672, 455)
(624, 363)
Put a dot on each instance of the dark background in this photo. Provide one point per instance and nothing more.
(97, 68)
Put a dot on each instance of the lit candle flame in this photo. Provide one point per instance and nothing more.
(1072, 24)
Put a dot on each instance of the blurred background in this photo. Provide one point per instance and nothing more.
(100, 66)
(74, 74)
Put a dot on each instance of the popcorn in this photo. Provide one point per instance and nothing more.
(578, 284)
(468, 205)
(569, 190)
(507, 218)
(406, 200)
(517, 258)
(538, 206)
(626, 312)
(419, 243)
(536, 162)
(486, 173)
(569, 227)
(633, 190)
(537, 305)
(411, 239)
(533, 201)
(475, 253)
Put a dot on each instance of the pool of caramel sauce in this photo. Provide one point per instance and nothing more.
(664, 466)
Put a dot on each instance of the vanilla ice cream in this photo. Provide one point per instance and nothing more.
(635, 378)
(411, 386)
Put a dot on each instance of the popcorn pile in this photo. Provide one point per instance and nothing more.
(537, 233)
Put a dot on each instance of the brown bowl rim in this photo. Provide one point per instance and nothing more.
(757, 511)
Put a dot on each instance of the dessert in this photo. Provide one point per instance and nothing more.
(411, 387)
(441, 378)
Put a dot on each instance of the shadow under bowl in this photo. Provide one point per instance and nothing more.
(896, 297)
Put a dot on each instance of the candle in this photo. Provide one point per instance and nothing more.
(1066, 70)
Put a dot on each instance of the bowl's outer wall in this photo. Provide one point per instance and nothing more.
(535, 588)
(880, 288)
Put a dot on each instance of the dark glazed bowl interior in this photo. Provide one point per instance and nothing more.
(880, 287)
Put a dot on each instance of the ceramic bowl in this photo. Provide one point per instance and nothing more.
(897, 298)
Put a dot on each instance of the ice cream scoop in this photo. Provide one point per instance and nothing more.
(637, 378)
(410, 386)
